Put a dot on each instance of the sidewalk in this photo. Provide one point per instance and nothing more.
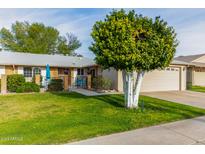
(92, 93)
(191, 131)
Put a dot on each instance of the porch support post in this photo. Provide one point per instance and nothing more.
(3, 84)
(38, 79)
(89, 81)
(65, 83)
(73, 75)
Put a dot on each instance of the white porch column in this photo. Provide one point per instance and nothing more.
(73, 73)
(2, 70)
(20, 70)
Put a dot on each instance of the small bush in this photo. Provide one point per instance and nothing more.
(14, 81)
(189, 85)
(100, 83)
(55, 85)
(28, 87)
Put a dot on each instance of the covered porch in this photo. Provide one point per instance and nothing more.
(75, 77)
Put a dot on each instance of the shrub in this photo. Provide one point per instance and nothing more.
(55, 85)
(28, 87)
(189, 85)
(14, 81)
(101, 83)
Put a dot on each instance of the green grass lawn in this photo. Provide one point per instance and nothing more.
(64, 117)
(197, 88)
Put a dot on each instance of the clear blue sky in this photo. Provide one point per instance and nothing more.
(188, 23)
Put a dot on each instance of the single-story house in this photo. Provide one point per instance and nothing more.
(195, 68)
(30, 64)
(182, 69)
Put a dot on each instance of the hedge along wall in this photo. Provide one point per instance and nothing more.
(14, 81)
(17, 83)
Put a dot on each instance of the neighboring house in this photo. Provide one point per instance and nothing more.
(195, 68)
(171, 78)
(30, 64)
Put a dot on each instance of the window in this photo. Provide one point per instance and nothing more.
(36, 71)
(171, 69)
(66, 71)
(168, 69)
(27, 71)
(80, 71)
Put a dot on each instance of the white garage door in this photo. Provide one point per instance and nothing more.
(161, 80)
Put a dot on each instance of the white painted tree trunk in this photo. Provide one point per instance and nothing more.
(137, 88)
(131, 88)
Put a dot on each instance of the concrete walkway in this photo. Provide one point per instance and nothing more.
(91, 93)
(191, 131)
(196, 99)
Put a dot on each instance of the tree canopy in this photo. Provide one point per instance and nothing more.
(37, 38)
(132, 42)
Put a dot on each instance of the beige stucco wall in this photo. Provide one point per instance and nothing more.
(111, 74)
(199, 78)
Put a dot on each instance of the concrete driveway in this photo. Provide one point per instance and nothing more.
(196, 99)
(189, 131)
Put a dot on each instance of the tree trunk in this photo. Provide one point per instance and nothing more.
(128, 88)
(131, 89)
(137, 87)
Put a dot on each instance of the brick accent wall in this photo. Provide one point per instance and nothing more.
(10, 70)
(54, 72)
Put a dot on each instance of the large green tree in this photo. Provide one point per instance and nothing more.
(37, 38)
(135, 45)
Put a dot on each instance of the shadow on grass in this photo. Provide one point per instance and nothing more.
(113, 100)
(150, 104)
(69, 95)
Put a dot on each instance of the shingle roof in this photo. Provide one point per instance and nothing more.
(28, 59)
(177, 62)
(16, 58)
(189, 58)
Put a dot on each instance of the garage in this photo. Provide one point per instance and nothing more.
(172, 78)
(162, 80)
